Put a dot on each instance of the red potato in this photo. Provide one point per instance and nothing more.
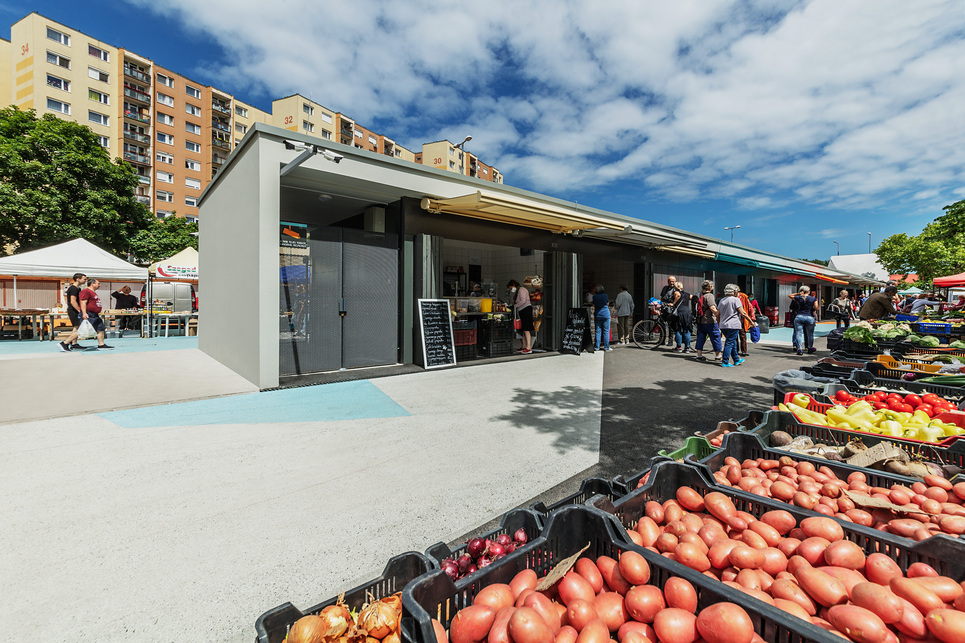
(644, 602)
(812, 549)
(878, 599)
(649, 530)
(674, 625)
(921, 597)
(770, 535)
(633, 627)
(635, 568)
(791, 608)
(527, 626)
(944, 588)
(916, 570)
(822, 528)
(774, 561)
(719, 506)
(610, 606)
(805, 501)
(753, 539)
(581, 612)
(441, 635)
(567, 634)
(691, 556)
(788, 546)
(938, 481)
(822, 587)
(748, 579)
(522, 596)
(637, 637)
(859, 516)
(654, 511)
(678, 592)
(665, 543)
(948, 626)
(574, 587)
(719, 553)
(790, 591)
(844, 553)
(525, 579)
(611, 573)
(594, 632)
(880, 569)
(498, 632)
(782, 491)
(672, 511)
(690, 499)
(497, 596)
(849, 577)
(546, 609)
(472, 624)
(635, 537)
(744, 557)
(725, 623)
(959, 490)
(591, 573)
(912, 621)
(859, 624)
(694, 539)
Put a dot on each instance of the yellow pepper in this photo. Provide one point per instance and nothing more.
(801, 400)
(892, 428)
(859, 408)
(840, 416)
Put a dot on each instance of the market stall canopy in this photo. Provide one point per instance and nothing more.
(950, 281)
(183, 265)
(64, 259)
(911, 291)
(641, 234)
(505, 208)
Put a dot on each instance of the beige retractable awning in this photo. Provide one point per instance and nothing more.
(689, 251)
(508, 209)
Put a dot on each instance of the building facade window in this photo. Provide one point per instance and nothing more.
(193, 165)
(192, 91)
(191, 219)
(192, 128)
(372, 140)
(241, 111)
(97, 74)
(96, 52)
(58, 83)
(308, 127)
(167, 197)
(327, 118)
(326, 134)
(96, 117)
(56, 36)
(241, 128)
(165, 138)
(308, 109)
(163, 214)
(194, 184)
(57, 59)
(98, 97)
(194, 110)
(163, 157)
(191, 146)
(165, 177)
(104, 142)
(58, 106)
(164, 99)
(452, 165)
(358, 134)
(167, 81)
(165, 119)
(191, 201)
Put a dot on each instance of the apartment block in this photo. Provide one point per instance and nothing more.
(6, 50)
(299, 114)
(245, 116)
(443, 155)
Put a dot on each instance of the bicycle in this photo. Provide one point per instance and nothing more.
(651, 332)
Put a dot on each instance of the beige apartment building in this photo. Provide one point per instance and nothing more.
(176, 132)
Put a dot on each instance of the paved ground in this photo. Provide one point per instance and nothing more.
(191, 519)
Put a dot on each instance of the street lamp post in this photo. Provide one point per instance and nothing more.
(466, 140)
(838, 245)
(732, 228)
(869, 243)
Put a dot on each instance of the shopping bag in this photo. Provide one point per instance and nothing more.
(86, 330)
(517, 323)
(755, 334)
(789, 319)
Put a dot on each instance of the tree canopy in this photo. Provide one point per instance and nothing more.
(57, 183)
(937, 251)
(163, 238)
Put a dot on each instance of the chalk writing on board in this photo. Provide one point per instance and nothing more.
(438, 347)
(576, 335)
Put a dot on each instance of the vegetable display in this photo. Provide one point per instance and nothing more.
(482, 552)
(376, 621)
(930, 403)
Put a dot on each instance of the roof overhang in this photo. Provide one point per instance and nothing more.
(509, 209)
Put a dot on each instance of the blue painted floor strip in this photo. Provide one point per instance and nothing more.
(340, 401)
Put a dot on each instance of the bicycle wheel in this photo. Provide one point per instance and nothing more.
(647, 333)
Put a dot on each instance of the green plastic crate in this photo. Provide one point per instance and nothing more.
(696, 446)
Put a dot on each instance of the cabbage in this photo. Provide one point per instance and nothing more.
(929, 342)
(957, 344)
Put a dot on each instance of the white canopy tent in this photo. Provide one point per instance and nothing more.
(62, 260)
(182, 266)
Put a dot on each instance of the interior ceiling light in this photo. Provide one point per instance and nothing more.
(324, 198)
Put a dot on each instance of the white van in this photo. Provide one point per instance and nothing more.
(170, 297)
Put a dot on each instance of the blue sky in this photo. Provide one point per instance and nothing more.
(803, 122)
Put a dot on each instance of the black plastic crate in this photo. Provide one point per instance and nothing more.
(567, 531)
(783, 421)
(588, 488)
(273, 625)
(514, 520)
(496, 349)
(942, 552)
(464, 353)
(860, 348)
(496, 331)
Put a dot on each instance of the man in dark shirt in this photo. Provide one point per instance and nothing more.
(667, 296)
(879, 305)
(126, 301)
(73, 312)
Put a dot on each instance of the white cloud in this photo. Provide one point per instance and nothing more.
(843, 103)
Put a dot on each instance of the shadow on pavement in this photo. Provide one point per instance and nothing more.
(568, 414)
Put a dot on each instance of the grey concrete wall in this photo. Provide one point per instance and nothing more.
(239, 265)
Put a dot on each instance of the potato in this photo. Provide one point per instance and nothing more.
(781, 439)
(844, 553)
(823, 528)
(472, 624)
(948, 626)
(822, 587)
(725, 623)
(861, 625)
(878, 599)
(526, 626)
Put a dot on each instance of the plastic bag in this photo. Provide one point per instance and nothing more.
(86, 330)
(755, 334)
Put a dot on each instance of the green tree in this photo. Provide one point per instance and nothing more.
(163, 238)
(937, 251)
(57, 183)
(821, 262)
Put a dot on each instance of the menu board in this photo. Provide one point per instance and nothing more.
(435, 323)
(576, 335)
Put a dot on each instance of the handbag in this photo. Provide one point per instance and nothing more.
(789, 319)
(834, 310)
(517, 322)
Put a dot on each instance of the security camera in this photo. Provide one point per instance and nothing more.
(296, 145)
(332, 156)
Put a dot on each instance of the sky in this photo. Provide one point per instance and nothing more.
(803, 122)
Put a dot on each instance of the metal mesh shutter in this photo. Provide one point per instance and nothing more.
(370, 286)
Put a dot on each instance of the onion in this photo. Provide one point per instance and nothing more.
(336, 620)
(463, 562)
(378, 619)
(520, 536)
(496, 550)
(307, 629)
(503, 540)
(483, 562)
(452, 570)
(472, 569)
(498, 556)
(510, 548)
(476, 547)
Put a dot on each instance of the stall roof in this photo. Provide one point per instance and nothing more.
(950, 280)
(64, 259)
(183, 265)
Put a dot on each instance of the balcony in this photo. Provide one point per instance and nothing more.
(218, 160)
(221, 126)
(222, 144)
(137, 95)
(141, 178)
(348, 129)
(136, 75)
(137, 158)
(146, 200)
(220, 107)
(140, 138)
(137, 116)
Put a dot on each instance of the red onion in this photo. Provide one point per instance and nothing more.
(503, 540)
(476, 547)
(452, 571)
(463, 563)
(510, 548)
(496, 550)
(472, 569)
(497, 557)
(483, 562)
(520, 536)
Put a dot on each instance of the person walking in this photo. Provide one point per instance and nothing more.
(668, 295)
(624, 310)
(841, 309)
(524, 310)
(90, 308)
(73, 312)
(682, 319)
(706, 310)
(806, 308)
(731, 315)
(745, 323)
(601, 318)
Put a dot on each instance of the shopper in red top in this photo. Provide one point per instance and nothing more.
(90, 308)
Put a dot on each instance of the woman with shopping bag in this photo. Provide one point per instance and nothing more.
(522, 315)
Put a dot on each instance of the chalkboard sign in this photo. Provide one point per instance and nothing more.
(435, 322)
(576, 335)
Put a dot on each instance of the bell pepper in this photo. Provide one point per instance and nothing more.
(931, 434)
(840, 416)
(892, 428)
(802, 400)
(859, 407)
